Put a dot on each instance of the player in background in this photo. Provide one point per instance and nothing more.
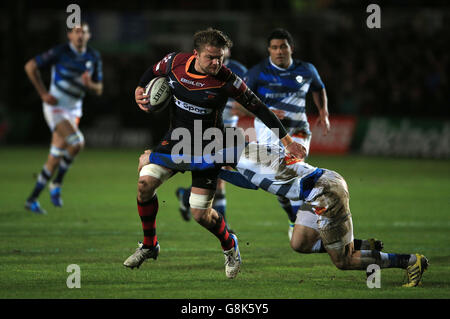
(230, 119)
(200, 87)
(76, 69)
(282, 83)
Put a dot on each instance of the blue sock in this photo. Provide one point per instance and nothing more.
(398, 260)
(42, 180)
(64, 165)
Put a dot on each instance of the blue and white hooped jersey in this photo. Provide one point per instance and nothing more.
(67, 67)
(285, 89)
(269, 168)
(240, 70)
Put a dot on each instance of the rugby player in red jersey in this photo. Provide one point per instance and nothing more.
(200, 86)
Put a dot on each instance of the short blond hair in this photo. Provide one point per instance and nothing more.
(212, 37)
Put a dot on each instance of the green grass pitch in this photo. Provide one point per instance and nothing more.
(404, 202)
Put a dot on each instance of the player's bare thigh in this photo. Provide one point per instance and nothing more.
(305, 233)
(62, 130)
(59, 134)
(304, 238)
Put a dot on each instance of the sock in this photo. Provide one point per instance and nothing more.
(43, 178)
(64, 165)
(221, 232)
(147, 213)
(357, 244)
(385, 260)
(286, 205)
(220, 203)
(317, 247)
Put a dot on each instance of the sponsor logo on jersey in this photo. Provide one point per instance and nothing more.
(191, 107)
(164, 143)
(211, 95)
(283, 95)
(194, 83)
(237, 83)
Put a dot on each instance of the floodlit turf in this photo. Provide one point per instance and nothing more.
(404, 202)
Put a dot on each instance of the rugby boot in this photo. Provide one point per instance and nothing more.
(140, 255)
(35, 207)
(232, 259)
(415, 271)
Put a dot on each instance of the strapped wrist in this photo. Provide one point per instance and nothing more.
(287, 140)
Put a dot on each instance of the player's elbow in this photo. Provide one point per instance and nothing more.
(99, 89)
(30, 66)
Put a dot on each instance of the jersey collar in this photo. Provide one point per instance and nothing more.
(278, 68)
(75, 50)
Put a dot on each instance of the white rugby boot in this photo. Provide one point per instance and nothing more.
(232, 259)
(140, 255)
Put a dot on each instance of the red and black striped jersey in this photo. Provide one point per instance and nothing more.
(195, 96)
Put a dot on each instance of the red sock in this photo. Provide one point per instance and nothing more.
(221, 232)
(147, 213)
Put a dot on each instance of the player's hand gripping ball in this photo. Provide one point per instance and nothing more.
(159, 94)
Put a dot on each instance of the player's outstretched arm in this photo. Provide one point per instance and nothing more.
(321, 102)
(252, 103)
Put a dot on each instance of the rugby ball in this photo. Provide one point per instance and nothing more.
(159, 95)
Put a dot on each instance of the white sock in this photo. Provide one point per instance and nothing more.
(316, 247)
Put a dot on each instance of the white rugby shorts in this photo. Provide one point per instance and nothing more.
(55, 114)
(329, 199)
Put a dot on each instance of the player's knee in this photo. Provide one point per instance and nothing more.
(75, 142)
(146, 188)
(301, 246)
(201, 207)
(75, 149)
(199, 215)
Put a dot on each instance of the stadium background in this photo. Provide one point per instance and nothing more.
(387, 88)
